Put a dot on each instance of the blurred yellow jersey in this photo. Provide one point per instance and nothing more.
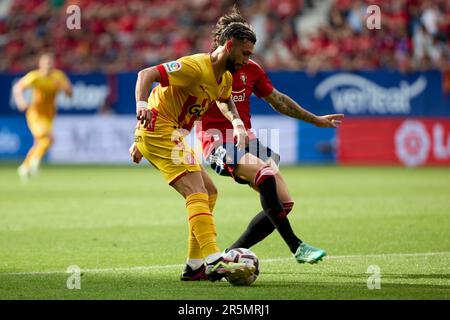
(188, 87)
(44, 89)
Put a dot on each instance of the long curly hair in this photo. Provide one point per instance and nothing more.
(224, 24)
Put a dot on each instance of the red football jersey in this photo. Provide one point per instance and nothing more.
(249, 79)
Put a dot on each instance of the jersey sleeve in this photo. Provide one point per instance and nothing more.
(29, 79)
(263, 86)
(179, 73)
(227, 91)
(62, 77)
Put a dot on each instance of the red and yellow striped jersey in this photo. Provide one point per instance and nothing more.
(187, 89)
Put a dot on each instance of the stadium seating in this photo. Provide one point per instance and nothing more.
(119, 35)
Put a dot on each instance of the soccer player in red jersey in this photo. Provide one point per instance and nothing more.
(257, 165)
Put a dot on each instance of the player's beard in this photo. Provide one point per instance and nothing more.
(231, 66)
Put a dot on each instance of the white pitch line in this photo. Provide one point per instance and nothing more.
(379, 255)
(177, 266)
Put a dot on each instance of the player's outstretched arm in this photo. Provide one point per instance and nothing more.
(64, 84)
(230, 112)
(285, 105)
(144, 82)
(67, 88)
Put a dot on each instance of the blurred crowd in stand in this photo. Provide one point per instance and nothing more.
(126, 35)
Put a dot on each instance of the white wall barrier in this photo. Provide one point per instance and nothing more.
(92, 139)
(106, 138)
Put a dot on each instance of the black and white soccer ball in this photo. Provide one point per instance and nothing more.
(242, 255)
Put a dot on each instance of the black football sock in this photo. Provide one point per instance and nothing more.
(258, 229)
(266, 183)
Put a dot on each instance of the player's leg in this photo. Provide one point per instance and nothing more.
(304, 252)
(43, 144)
(157, 147)
(283, 190)
(262, 176)
(42, 131)
(42, 141)
(193, 189)
(195, 268)
(201, 224)
(178, 165)
(264, 223)
(224, 161)
(260, 227)
(210, 188)
(24, 169)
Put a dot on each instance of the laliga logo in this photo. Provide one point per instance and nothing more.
(172, 66)
(412, 143)
(360, 95)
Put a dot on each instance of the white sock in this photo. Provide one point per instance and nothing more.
(194, 263)
(34, 165)
(23, 169)
(213, 257)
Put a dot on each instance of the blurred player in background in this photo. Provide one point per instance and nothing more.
(187, 88)
(257, 165)
(45, 82)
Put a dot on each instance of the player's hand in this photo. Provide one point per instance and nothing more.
(241, 137)
(22, 106)
(144, 115)
(135, 154)
(329, 121)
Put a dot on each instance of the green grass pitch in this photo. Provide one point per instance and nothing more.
(127, 231)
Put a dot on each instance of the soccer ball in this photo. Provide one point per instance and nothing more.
(242, 255)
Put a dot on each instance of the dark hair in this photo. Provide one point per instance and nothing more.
(232, 25)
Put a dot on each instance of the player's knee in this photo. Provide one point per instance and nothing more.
(45, 141)
(263, 174)
(190, 184)
(211, 189)
(47, 138)
(189, 189)
(287, 206)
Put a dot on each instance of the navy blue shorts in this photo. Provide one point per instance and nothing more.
(223, 159)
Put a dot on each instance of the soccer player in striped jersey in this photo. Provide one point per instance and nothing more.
(257, 165)
(187, 88)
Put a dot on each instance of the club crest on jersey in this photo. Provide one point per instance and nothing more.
(172, 66)
(243, 77)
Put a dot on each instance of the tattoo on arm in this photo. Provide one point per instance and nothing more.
(285, 105)
(228, 109)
